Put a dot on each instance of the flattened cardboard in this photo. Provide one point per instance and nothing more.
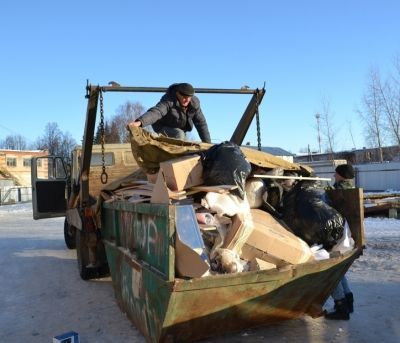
(183, 172)
(160, 191)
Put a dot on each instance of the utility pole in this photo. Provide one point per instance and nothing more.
(318, 116)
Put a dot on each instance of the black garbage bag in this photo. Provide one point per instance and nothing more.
(225, 164)
(310, 217)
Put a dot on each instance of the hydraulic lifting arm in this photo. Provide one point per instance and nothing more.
(93, 92)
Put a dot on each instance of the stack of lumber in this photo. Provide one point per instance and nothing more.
(381, 203)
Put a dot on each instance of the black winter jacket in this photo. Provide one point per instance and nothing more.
(168, 112)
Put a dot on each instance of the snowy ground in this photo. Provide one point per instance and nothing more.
(41, 294)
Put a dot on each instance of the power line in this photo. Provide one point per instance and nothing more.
(10, 130)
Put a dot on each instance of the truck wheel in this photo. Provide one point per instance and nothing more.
(82, 255)
(69, 235)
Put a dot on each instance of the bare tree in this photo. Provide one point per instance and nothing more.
(351, 133)
(68, 143)
(55, 141)
(318, 127)
(112, 133)
(390, 99)
(14, 142)
(115, 130)
(328, 131)
(372, 113)
(125, 114)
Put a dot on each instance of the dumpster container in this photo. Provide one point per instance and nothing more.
(140, 247)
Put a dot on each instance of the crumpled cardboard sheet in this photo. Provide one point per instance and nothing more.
(150, 149)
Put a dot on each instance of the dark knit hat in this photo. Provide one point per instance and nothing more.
(345, 170)
(185, 89)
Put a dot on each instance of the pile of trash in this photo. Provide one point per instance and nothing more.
(236, 210)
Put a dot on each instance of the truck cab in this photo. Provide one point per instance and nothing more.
(54, 179)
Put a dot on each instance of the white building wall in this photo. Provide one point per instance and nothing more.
(372, 177)
(378, 176)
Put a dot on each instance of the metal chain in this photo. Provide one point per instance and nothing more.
(104, 176)
(258, 123)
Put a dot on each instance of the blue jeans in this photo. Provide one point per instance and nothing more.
(341, 289)
(172, 132)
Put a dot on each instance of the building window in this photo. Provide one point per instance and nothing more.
(39, 162)
(11, 162)
(27, 162)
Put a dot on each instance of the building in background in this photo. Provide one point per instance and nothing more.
(15, 174)
(355, 156)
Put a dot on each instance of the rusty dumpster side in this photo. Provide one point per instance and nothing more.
(139, 241)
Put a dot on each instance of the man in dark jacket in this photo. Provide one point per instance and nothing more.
(176, 113)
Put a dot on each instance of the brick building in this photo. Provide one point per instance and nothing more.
(15, 166)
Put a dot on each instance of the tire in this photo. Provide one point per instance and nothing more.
(82, 254)
(69, 235)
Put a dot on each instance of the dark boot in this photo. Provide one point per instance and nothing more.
(350, 301)
(341, 311)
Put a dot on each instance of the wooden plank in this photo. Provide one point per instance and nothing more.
(216, 189)
(349, 202)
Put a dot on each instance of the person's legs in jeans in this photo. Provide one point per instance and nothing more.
(172, 132)
(341, 311)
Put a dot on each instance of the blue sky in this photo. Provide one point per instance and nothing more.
(304, 51)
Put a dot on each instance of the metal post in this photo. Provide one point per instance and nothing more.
(318, 116)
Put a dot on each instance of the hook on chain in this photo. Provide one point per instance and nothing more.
(104, 176)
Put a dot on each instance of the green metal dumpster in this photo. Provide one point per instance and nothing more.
(140, 247)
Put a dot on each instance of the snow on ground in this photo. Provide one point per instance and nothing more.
(17, 221)
(382, 227)
(374, 279)
(23, 207)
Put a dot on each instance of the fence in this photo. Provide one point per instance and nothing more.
(15, 194)
(372, 177)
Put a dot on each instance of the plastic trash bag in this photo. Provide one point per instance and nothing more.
(255, 190)
(228, 204)
(345, 243)
(319, 252)
(310, 218)
(225, 164)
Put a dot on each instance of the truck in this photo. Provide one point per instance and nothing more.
(136, 243)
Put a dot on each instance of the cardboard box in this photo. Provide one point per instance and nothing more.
(250, 253)
(270, 241)
(238, 232)
(183, 172)
(258, 264)
(152, 178)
